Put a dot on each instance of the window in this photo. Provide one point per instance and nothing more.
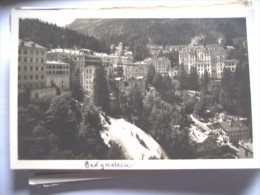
(42, 76)
(25, 59)
(25, 68)
(31, 59)
(36, 77)
(42, 53)
(37, 52)
(25, 77)
(31, 77)
(42, 60)
(42, 68)
(36, 68)
(19, 77)
(31, 68)
(19, 68)
(19, 51)
(37, 60)
(19, 59)
(25, 51)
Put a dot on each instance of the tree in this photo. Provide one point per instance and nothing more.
(204, 82)
(227, 91)
(157, 81)
(242, 91)
(193, 79)
(101, 91)
(131, 102)
(90, 140)
(182, 77)
(200, 106)
(62, 119)
(75, 83)
(150, 75)
(29, 118)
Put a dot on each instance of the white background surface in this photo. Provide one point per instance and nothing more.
(174, 182)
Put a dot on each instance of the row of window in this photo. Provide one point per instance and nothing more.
(57, 67)
(31, 52)
(31, 60)
(31, 68)
(30, 77)
(58, 72)
(30, 85)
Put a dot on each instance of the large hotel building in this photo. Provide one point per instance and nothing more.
(211, 58)
(31, 65)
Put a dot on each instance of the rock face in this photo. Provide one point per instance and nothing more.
(136, 144)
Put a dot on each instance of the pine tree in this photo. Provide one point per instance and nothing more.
(157, 81)
(205, 82)
(75, 83)
(182, 77)
(101, 91)
(150, 75)
(193, 79)
(227, 91)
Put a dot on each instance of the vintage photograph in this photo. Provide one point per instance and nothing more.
(134, 89)
(163, 92)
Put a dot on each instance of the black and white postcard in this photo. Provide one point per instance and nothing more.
(133, 89)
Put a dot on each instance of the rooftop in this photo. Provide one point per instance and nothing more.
(28, 43)
(234, 126)
(56, 62)
(246, 145)
(198, 136)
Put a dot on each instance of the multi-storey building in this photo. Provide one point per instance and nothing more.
(211, 58)
(31, 65)
(87, 71)
(134, 70)
(236, 130)
(58, 74)
(64, 55)
(161, 64)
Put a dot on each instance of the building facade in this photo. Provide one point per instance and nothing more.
(58, 74)
(161, 64)
(31, 65)
(236, 130)
(211, 58)
(87, 71)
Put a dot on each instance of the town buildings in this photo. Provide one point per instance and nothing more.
(205, 142)
(65, 55)
(161, 64)
(211, 58)
(31, 65)
(87, 68)
(245, 149)
(58, 75)
(32, 71)
(134, 70)
(236, 130)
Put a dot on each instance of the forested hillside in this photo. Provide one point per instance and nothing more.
(52, 36)
(160, 31)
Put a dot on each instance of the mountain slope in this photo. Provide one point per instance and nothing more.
(52, 36)
(160, 31)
